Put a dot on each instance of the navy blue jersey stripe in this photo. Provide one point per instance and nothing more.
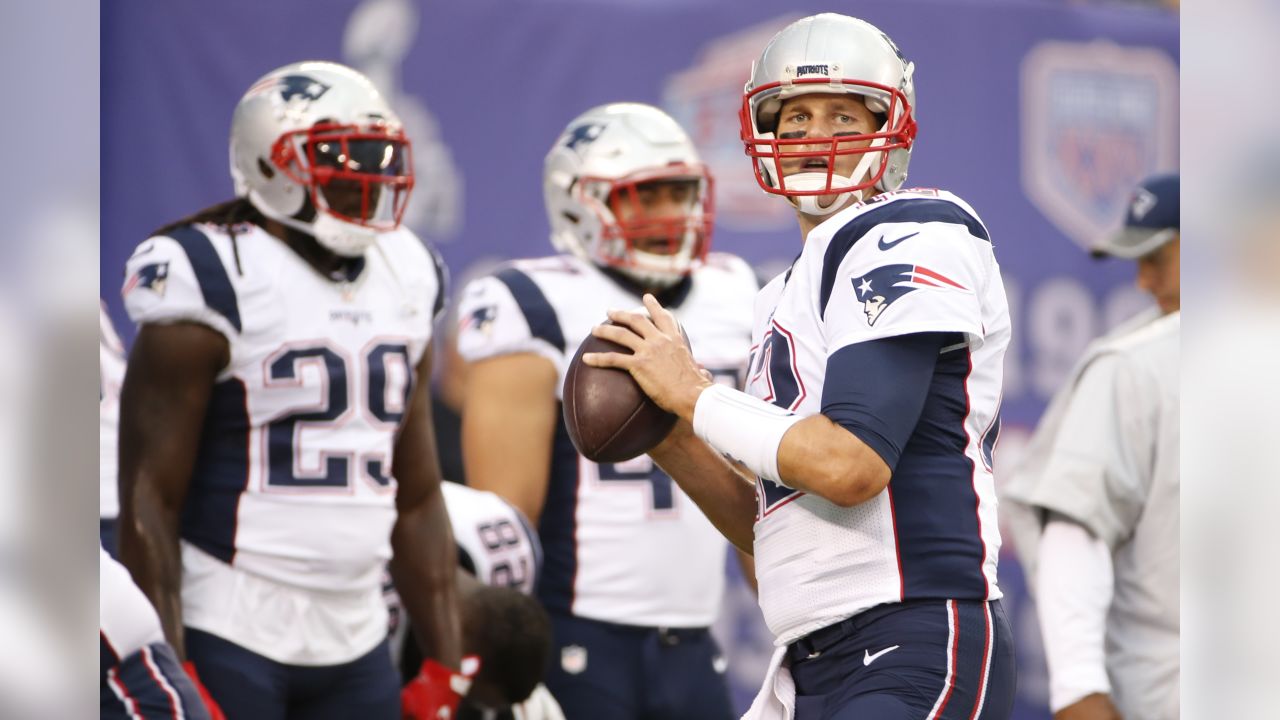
(558, 526)
(442, 281)
(917, 210)
(535, 545)
(939, 540)
(541, 317)
(207, 265)
(221, 472)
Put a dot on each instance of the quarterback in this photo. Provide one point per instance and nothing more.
(871, 405)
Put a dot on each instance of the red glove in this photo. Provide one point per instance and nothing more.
(215, 712)
(435, 693)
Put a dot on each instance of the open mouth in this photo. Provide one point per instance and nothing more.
(656, 245)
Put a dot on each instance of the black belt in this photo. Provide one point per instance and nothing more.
(666, 635)
(815, 643)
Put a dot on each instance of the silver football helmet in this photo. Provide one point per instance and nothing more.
(595, 178)
(320, 131)
(830, 53)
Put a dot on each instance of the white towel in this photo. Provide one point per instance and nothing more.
(777, 697)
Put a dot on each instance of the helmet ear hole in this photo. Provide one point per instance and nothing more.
(571, 217)
(265, 169)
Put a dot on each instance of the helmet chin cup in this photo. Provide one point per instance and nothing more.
(646, 267)
(333, 234)
(342, 238)
(808, 204)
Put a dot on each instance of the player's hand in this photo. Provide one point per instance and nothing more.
(435, 693)
(215, 712)
(1091, 707)
(661, 362)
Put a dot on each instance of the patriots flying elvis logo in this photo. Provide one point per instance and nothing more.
(481, 319)
(879, 288)
(583, 135)
(302, 87)
(151, 276)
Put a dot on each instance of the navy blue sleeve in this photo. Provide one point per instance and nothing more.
(877, 389)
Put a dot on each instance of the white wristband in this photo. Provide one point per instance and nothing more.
(745, 428)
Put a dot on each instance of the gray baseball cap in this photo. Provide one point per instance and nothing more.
(1151, 220)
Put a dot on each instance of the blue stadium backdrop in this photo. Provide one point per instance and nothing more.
(1040, 113)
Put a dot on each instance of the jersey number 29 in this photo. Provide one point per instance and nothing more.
(284, 434)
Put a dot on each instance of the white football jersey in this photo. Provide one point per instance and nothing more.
(905, 262)
(111, 364)
(495, 542)
(293, 481)
(623, 543)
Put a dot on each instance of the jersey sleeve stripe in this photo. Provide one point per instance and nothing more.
(543, 323)
(211, 274)
(916, 210)
(442, 281)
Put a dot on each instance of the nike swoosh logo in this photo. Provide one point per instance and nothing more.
(868, 658)
(886, 245)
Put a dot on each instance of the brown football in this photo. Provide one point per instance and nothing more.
(609, 417)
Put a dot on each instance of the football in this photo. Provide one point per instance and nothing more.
(609, 417)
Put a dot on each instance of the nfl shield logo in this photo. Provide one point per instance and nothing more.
(573, 659)
(1096, 119)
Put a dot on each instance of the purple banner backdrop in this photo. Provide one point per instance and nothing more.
(1040, 114)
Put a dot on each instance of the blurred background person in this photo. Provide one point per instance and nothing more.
(1099, 495)
(629, 203)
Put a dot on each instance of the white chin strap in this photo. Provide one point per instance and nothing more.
(660, 271)
(808, 204)
(337, 236)
(343, 238)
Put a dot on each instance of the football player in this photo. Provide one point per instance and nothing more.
(872, 402)
(499, 557)
(275, 439)
(629, 205)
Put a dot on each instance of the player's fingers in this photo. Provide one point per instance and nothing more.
(608, 360)
(620, 335)
(662, 317)
(637, 323)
